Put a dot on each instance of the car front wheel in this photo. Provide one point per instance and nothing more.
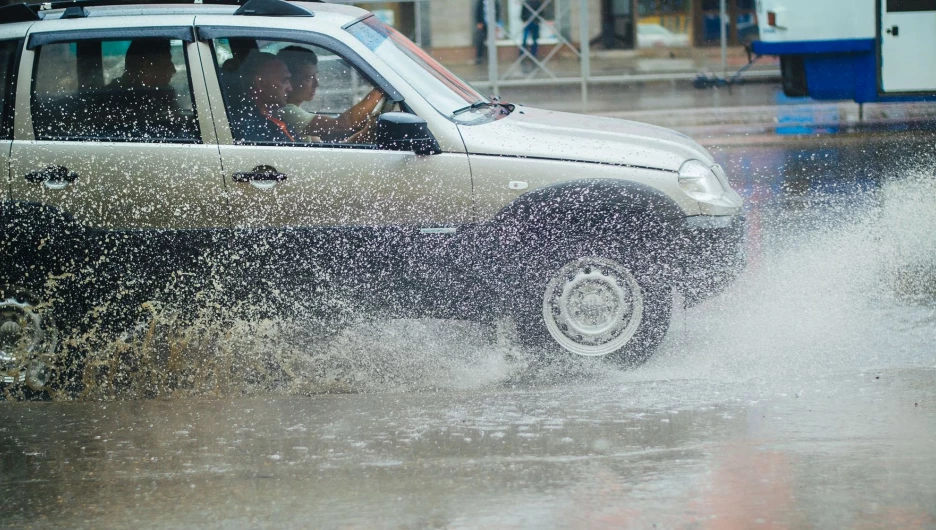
(592, 304)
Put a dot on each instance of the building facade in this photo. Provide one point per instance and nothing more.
(447, 26)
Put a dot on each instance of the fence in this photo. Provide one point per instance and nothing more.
(498, 78)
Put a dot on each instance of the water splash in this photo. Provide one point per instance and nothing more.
(837, 282)
(853, 291)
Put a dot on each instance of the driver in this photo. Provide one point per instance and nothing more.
(352, 126)
(255, 119)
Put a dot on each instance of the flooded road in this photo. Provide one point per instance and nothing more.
(805, 396)
(845, 450)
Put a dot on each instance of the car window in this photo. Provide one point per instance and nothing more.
(7, 61)
(285, 93)
(118, 90)
(442, 89)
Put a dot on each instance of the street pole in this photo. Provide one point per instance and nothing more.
(722, 15)
(491, 20)
(586, 53)
(417, 9)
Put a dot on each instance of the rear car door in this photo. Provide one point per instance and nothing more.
(339, 210)
(135, 163)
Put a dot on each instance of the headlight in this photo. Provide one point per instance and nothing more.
(700, 182)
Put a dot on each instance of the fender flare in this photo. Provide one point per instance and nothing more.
(599, 209)
(600, 205)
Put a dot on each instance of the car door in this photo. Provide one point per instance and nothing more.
(336, 209)
(135, 163)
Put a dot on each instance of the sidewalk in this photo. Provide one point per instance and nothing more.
(749, 113)
(566, 65)
(788, 120)
(753, 111)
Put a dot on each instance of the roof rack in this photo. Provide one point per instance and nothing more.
(23, 12)
(273, 8)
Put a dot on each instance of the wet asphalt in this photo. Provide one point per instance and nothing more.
(844, 450)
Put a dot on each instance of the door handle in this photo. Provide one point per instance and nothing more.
(259, 173)
(894, 30)
(54, 177)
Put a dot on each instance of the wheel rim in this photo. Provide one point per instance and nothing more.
(592, 306)
(27, 341)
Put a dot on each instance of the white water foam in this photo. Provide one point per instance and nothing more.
(855, 296)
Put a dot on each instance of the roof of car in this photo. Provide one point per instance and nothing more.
(102, 8)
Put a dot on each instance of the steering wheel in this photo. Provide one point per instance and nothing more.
(380, 107)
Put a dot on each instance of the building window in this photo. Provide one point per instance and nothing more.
(740, 26)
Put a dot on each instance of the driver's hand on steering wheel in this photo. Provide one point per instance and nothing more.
(366, 131)
(369, 129)
(376, 99)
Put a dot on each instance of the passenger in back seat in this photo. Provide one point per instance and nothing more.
(148, 64)
(143, 96)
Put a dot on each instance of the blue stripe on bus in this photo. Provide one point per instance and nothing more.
(813, 46)
(842, 76)
(848, 76)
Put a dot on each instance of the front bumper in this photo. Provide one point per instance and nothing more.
(710, 255)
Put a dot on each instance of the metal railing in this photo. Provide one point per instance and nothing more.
(582, 53)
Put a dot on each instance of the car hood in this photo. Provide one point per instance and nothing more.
(538, 133)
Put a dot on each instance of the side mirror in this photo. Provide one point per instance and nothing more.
(400, 131)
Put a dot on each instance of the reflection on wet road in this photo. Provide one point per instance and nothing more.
(843, 450)
(805, 396)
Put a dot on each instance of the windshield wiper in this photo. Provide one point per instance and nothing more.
(476, 105)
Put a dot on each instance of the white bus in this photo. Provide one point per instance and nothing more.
(864, 50)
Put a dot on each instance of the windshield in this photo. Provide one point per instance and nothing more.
(441, 88)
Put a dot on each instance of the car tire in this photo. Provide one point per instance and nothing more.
(594, 300)
(29, 342)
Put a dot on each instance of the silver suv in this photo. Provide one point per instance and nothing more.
(275, 151)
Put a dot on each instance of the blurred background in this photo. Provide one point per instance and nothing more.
(666, 62)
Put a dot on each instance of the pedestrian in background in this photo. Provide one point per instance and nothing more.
(481, 28)
(530, 15)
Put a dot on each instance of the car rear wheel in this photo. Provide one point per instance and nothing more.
(29, 340)
(595, 304)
